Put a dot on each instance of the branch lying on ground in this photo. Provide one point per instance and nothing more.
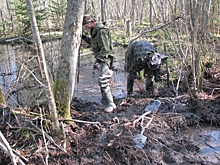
(153, 29)
(8, 150)
(48, 137)
(80, 121)
(22, 112)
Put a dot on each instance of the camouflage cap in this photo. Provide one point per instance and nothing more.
(155, 61)
(87, 19)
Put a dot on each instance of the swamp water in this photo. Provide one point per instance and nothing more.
(18, 64)
(21, 80)
(208, 142)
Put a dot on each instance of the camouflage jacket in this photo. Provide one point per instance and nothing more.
(136, 57)
(101, 43)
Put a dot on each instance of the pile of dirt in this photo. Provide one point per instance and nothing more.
(108, 138)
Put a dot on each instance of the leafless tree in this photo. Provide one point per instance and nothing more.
(39, 46)
(66, 74)
(103, 10)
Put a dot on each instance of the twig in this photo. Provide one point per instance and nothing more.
(7, 148)
(214, 90)
(111, 160)
(64, 136)
(21, 156)
(155, 28)
(48, 137)
(115, 119)
(217, 153)
(124, 103)
(217, 156)
(43, 133)
(31, 73)
(80, 121)
(21, 112)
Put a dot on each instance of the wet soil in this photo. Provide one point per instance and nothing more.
(102, 138)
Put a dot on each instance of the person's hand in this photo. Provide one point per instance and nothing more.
(155, 92)
(140, 86)
(96, 66)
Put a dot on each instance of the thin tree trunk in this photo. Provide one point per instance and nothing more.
(202, 41)
(151, 14)
(141, 11)
(103, 10)
(162, 9)
(206, 15)
(125, 13)
(10, 14)
(39, 46)
(3, 24)
(132, 13)
(194, 7)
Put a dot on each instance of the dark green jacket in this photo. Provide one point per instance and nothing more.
(101, 43)
(136, 57)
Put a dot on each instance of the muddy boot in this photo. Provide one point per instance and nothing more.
(110, 108)
(103, 100)
(106, 95)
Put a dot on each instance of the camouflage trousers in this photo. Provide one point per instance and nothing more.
(149, 81)
(104, 77)
(149, 78)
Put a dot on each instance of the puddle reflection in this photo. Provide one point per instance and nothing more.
(208, 142)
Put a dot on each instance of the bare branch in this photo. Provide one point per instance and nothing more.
(153, 29)
(7, 149)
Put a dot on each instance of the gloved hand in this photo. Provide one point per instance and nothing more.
(83, 36)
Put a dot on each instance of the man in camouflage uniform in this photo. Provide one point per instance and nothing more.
(142, 55)
(100, 41)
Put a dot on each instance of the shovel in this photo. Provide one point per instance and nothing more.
(140, 140)
(152, 107)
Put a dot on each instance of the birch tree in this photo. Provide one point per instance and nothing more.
(39, 46)
(103, 10)
(66, 74)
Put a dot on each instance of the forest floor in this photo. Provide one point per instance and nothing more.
(108, 138)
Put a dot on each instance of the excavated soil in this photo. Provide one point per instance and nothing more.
(99, 138)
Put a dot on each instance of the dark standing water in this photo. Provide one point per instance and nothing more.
(24, 89)
(208, 141)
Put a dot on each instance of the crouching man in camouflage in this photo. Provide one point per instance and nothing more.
(142, 55)
(100, 40)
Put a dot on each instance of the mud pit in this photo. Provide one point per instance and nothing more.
(111, 141)
(99, 138)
